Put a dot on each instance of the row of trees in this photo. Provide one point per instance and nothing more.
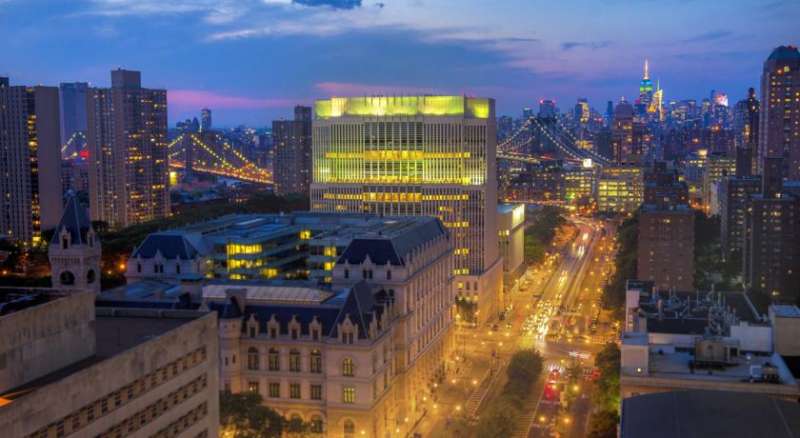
(540, 233)
(625, 267)
(500, 417)
(606, 397)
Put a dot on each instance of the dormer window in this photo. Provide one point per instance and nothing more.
(347, 337)
(64, 242)
(294, 333)
(388, 274)
(177, 268)
(315, 334)
(273, 332)
(346, 273)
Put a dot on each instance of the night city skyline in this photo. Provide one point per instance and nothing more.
(253, 61)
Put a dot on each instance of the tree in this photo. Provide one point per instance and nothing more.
(607, 386)
(244, 416)
(603, 424)
(498, 420)
(523, 370)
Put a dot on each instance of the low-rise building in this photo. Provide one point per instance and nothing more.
(703, 341)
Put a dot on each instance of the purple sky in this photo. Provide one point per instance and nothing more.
(252, 60)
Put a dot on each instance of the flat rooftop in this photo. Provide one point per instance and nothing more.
(116, 331)
(676, 366)
(786, 311)
(268, 293)
(16, 299)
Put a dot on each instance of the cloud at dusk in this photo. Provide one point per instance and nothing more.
(252, 60)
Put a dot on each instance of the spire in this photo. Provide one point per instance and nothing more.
(646, 69)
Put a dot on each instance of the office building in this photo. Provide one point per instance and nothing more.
(746, 121)
(72, 370)
(417, 155)
(547, 109)
(73, 117)
(30, 161)
(666, 247)
(620, 189)
(292, 143)
(717, 167)
(127, 142)
(205, 119)
(511, 236)
(779, 122)
(360, 358)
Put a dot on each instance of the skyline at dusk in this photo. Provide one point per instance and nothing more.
(252, 61)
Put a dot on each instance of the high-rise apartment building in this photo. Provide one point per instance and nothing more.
(779, 130)
(127, 141)
(291, 140)
(205, 119)
(417, 155)
(666, 247)
(30, 161)
(771, 244)
(73, 116)
(734, 196)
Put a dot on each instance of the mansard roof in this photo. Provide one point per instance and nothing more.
(74, 220)
(392, 246)
(170, 245)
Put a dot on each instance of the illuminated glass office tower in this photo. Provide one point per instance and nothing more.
(417, 155)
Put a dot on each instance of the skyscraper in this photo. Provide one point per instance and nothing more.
(622, 142)
(292, 143)
(645, 89)
(30, 161)
(779, 130)
(547, 109)
(417, 155)
(205, 119)
(73, 116)
(126, 133)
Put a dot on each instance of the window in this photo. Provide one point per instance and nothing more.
(294, 361)
(274, 389)
(139, 268)
(294, 390)
(252, 359)
(346, 273)
(388, 274)
(349, 428)
(347, 367)
(294, 333)
(349, 394)
(177, 268)
(253, 331)
(273, 333)
(316, 424)
(274, 360)
(316, 392)
(347, 337)
(315, 334)
(315, 362)
(252, 386)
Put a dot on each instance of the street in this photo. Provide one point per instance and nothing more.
(555, 310)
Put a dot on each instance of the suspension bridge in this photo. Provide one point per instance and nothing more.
(210, 153)
(516, 145)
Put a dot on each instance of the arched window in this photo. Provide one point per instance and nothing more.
(294, 360)
(274, 360)
(64, 242)
(177, 268)
(349, 428)
(348, 369)
(316, 424)
(90, 276)
(315, 365)
(67, 278)
(252, 358)
(139, 268)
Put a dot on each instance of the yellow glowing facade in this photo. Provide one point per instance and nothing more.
(620, 189)
(411, 155)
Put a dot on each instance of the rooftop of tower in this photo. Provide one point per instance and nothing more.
(399, 106)
(784, 53)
